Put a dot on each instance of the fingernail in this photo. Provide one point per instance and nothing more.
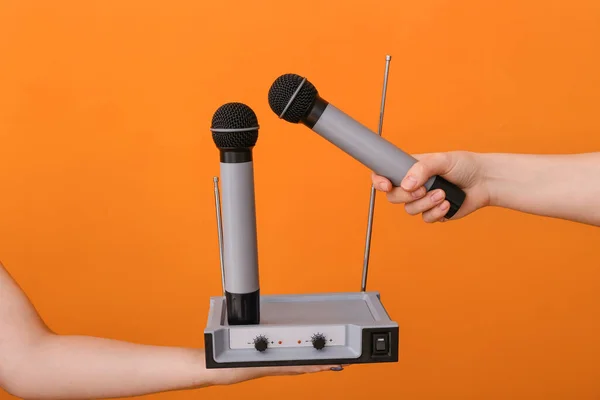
(409, 182)
(418, 193)
(437, 195)
(337, 368)
(444, 206)
(383, 186)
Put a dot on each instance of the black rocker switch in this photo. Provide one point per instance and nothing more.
(380, 343)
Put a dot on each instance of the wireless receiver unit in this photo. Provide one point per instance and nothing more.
(246, 329)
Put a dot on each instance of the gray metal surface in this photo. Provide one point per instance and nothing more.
(240, 252)
(365, 146)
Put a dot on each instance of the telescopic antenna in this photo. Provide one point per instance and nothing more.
(388, 58)
(219, 229)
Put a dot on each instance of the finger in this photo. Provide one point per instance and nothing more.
(306, 369)
(437, 213)
(320, 368)
(401, 196)
(431, 200)
(427, 166)
(381, 183)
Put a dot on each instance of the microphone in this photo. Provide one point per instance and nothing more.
(235, 132)
(296, 100)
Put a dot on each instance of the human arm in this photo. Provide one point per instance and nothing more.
(36, 363)
(559, 186)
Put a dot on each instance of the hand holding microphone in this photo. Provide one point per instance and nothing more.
(465, 169)
(296, 100)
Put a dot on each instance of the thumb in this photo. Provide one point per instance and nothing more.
(427, 165)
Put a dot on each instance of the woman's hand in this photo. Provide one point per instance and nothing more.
(237, 375)
(464, 169)
(36, 363)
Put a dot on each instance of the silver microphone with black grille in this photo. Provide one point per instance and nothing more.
(235, 132)
(296, 100)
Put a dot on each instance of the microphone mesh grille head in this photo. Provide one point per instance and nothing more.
(234, 116)
(282, 91)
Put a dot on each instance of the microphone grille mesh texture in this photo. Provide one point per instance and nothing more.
(235, 116)
(281, 92)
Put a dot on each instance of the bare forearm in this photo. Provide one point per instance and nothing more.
(560, 186)
(79, 367)
(37, 364)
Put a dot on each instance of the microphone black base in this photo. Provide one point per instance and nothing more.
(243, 308)
(309, 329)
(454, 194)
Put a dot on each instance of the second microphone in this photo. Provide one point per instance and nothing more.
(295, 99)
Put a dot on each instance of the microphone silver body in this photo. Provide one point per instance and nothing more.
(240, 244)
(372, 150)
(364, 145)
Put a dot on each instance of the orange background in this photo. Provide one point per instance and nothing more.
(106, 210)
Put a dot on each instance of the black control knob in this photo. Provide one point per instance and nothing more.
(261, 343)
(318, 341)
